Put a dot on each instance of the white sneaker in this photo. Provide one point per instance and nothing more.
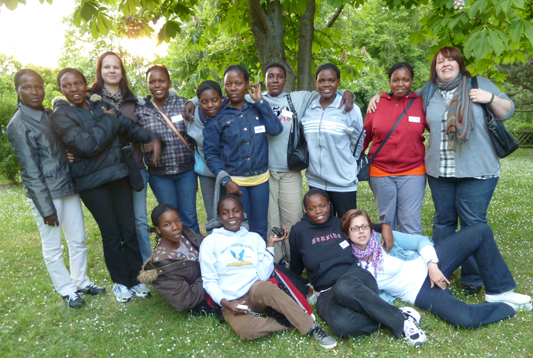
(122, 293)
(411, 312)
(141, 290)
(526, 307)
(509, 297)
(414, 335)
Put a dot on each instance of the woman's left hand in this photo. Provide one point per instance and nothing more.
(477, 95)
(347, 101)
(387, 237)
(273, 238)
(255, 91)
(436, 276)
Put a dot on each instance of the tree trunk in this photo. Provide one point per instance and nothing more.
(268, 30)
(305, 48)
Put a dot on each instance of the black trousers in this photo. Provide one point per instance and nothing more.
(342, 202)
(352, 307)
(111, 205)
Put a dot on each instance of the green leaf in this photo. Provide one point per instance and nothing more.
(496, 42)
(476, 7)
(11, 4)
(469, 46)
(416, 37)
(517, 31)
(87, 11)
(482, 45)
(519, 3)
(529, 31)
(94, 30)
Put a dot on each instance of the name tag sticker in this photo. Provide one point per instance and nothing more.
(344, 244)
(414, 119)
(259, 129)
(177, 118)
(286, 113)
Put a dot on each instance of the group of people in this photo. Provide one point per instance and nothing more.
(104, 145)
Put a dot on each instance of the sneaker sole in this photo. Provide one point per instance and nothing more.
(526, 307)
(123, 300)
(328, 346)
(490, 300)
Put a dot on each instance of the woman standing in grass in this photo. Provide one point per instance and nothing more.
(112, 84)
(91, 130)
(49, 188)
(173, 180)
(235, 142)
(416, 271)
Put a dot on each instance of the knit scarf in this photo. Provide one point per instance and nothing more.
(372, 248)
(460, 119)
(114, 99)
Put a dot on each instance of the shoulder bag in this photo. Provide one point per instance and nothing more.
(297, 153)
(503, 141)
(363, 164)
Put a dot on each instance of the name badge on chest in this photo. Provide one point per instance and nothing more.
(286, 113)
(344, 244)
(177, 118)
(414, 119)
(259, 129)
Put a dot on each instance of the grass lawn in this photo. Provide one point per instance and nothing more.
(34, 321)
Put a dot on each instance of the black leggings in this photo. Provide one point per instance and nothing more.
(111, 205)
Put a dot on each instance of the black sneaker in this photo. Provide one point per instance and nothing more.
(471, 290)
(91, 289)
(73, 300)
(324, 339)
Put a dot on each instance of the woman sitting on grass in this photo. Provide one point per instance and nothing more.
(236, 265)
(416, 271)
(173, 269)
(349, 299)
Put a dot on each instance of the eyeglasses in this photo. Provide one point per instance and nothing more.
(357, 228)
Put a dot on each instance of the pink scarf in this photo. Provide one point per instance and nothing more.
(372, 248)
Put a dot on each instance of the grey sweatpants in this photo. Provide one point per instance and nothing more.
(399, 200)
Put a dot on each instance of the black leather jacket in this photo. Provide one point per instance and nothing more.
(94, 137)
(43, 160)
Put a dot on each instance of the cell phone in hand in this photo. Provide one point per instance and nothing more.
(242, 307)
(278, 231)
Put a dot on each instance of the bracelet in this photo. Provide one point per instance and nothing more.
(491, 99)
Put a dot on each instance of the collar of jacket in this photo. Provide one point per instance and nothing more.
(334, 104)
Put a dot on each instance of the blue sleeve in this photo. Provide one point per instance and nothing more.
(212, 147)
(409, 241)
(273, 126)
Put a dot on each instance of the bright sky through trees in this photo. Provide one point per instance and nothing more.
(34, 33)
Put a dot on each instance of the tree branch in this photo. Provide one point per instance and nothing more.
(335, 16)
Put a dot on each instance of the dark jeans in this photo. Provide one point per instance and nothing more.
(111, 205)
(466, 199)
(473, 241)
(255, 203)
(352, 307)
(341, 202)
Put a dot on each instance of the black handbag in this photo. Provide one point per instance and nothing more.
(363, 164)
(503, 141)
(297, 153)
(136, 179)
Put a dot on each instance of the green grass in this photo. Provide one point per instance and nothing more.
(34, 321)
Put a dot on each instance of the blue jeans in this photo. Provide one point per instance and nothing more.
(141, 221)
(466, 199)
(178, 190)
(473, 241)
(255, 203)
(352, 307)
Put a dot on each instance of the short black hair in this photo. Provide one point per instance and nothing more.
(67, 70)
(315, 191)
(158, 67)
(328, 66)
(399, 65)
(159, 210)
(226, 197)
(18, 78)
(237, 68)
(208, 85)
(276, 64)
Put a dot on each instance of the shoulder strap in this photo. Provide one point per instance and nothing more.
(486, 112)
(172, 126)
(293, 110)
(392, 130)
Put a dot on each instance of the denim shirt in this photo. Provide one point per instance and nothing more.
(406, 247)
(235, 140)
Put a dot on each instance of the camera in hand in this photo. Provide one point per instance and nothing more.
(278, 231)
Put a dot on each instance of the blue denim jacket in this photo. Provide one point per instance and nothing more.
(235, 140)
(406, 247)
